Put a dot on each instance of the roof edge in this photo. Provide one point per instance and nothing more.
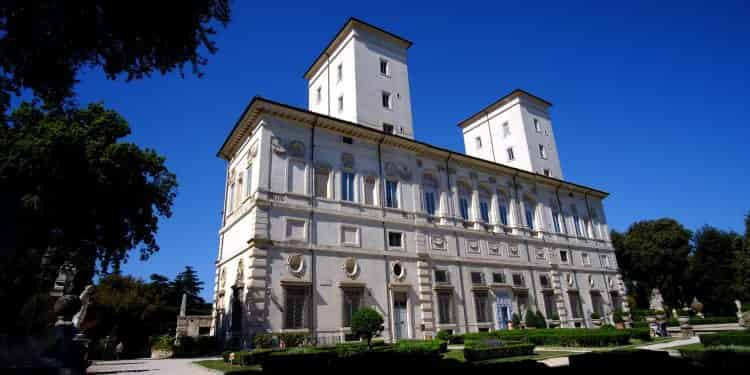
(511, 95)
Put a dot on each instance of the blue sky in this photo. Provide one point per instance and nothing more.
(649, 100)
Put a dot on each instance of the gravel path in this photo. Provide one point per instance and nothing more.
(146, 366)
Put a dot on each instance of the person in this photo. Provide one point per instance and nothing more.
(118, 350)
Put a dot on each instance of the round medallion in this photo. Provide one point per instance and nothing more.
(398, 271)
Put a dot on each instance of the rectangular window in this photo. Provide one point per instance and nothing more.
(296, 178)
(391, 194)
(537, 126)
(321, 182)
(441, 276)
(478, 141)
(347, 140)
(556, 222)
(542, 152)
(575, 305)
(445, 307)
(523, 303)
(248, 180)
(347, 186)
(318, 94)
(605, 261)
(296, 307)
(577, 225)
(395, 239)
(544, 281)
(503, 214)
(482, 306)
(384, 68)
(463, 204)
(498, 278)
(352, 302)
(564, 256)
(386, 99)
(547, 172)
(388, 128)
(518, 280)
(506, 129)
(477, 278)
(339, 72)
(370, 191)
(484, 209)
(511, 156)
(341, 103)
(230, 198)
(550, 307)
(429, 202)
(586, 259)
(530, 217)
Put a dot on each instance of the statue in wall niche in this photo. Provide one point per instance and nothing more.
(276, 145)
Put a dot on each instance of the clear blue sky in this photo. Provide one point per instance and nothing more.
(649, 102)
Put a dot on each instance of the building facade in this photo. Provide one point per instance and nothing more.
(337, 207)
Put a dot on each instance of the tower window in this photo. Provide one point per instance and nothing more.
(386, 99)
(506, 129)
(478, 141)
(546, 172)
(341, 103)
(542, 152)
(388, 128)
(347, 140)
(384, 68)
(537, 126)
(318, 94)
(511, 156)
(340, 72)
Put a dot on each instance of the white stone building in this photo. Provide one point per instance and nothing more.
(338, 206)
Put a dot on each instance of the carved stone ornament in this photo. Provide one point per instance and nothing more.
(494, 248)
(513, 251)
(253, 150)
(296, 149)
(473, 246)
(399, 272)
(296, 263)
(438, 242)
(591, 280)
(569, 278)
(223, 278)
(347, 160)
(240, 273)
(351, 268)
(277, 147)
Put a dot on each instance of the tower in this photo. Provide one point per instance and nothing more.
(516, 130)
(362, 77)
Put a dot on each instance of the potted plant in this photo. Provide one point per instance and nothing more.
(162, 347)
(596, 319)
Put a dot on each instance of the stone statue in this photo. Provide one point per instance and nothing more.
(183, 306)
(656, 302)
(64, 281)
(86, 298)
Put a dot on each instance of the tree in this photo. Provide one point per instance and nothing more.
(187, 282)
(654, 254)
(714, 269)
(72, 190)
(44, 43)
(367, 323)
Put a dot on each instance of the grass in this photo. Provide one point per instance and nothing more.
(458, 355)
(220, 365)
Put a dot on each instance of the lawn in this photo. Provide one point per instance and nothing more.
(458, 355)
(226, 368)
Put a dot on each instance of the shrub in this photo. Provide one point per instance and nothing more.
(530, 319)
(366, 323)
(444, 335)
(554, 316)
(718, 357)
(163, 342)
(474, 353)
(740, 338)
(253, 357)
(618, 316)
(560, 336)
(421, 346)
(292, 340)
(263, 340)
(516, 319)
(541, 322)
(225, 355)
(643, 334)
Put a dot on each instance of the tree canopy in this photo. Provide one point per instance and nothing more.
(45, 43)
(72, 190)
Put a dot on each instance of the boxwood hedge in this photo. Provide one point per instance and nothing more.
(740, 338)
(478, 351)
(565, 336)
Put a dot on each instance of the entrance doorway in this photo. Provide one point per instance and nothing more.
(503, 309)
(400, 328)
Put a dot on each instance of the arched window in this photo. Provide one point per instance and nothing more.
(484, 204)
(430, 185)
(464, 199)
(576, 220)
(502, 206)
(529, 209)
(556, 222)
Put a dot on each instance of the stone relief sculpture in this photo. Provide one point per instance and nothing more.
(296, 149)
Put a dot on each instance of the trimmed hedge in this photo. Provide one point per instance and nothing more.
(740, 338)
(253, 357)
(643, 334)
(562, 336)
(479, 351)
(718, 357)
(271, 340)
(421, 346)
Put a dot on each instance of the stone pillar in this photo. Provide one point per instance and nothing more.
(426, 305)
(256, 286)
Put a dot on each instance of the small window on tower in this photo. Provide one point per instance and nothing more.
(340, 72)
(537, 126)
(546, 172)
(341, 103)
(478, 141)
(347, 140)
(319, 94)
(386, 99)
(388, 128)
(384, 68)
(506, 129)
(542, 152)
(511, 156)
